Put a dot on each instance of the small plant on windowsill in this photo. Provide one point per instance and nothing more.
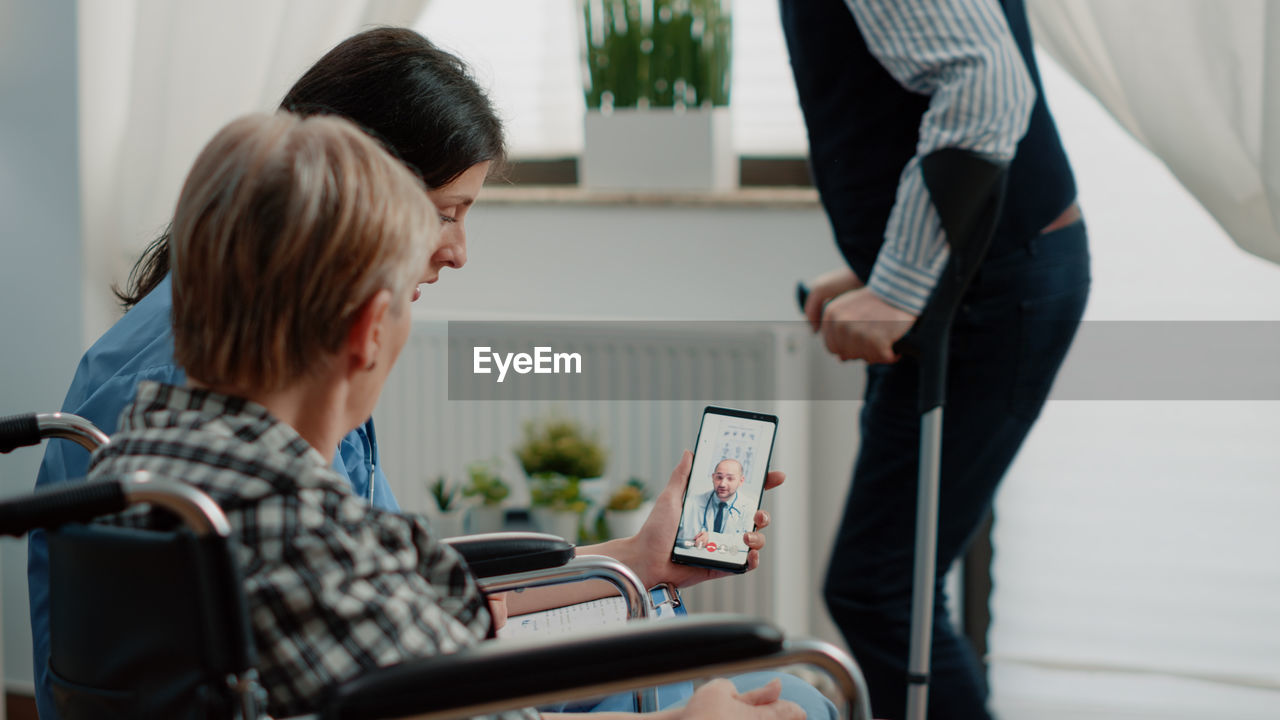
(557, 492)
(628, 508)
(657, 53)
(446, 509)
(445, 494)
(557, 455)
(656, 80)
(629, 497)
(487, 488)
(485, 485)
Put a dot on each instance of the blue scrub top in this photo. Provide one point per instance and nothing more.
(140, 347)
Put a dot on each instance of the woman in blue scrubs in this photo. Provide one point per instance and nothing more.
(402, 90)
(410, 95)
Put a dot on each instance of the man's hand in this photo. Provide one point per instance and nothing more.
(700, 540)
(828, 286)
(720, 699)
(650, 549)
(858, 325)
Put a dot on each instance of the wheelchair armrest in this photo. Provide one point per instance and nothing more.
(83, 501)
(595, 663)
(507, 553)
(68, 503)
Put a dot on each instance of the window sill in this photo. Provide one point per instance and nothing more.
(748, 197)
(764, 182)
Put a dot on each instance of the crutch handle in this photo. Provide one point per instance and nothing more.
(967, 190)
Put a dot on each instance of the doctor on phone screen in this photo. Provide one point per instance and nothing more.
(720, 515)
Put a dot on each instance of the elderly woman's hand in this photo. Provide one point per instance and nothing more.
(720, 700)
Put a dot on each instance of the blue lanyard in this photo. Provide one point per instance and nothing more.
(369, 441)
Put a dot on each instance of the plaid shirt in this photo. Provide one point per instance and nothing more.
(334, 586)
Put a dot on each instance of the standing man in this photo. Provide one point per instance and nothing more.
(882, 84)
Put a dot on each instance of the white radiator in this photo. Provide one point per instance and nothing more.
(423, 434)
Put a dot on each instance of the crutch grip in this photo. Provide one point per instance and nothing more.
(72, 502)
(18, 431)
(967, 190)
(802, 295)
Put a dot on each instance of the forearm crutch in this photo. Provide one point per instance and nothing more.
(967, 190)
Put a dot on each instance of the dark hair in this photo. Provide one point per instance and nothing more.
(419, 101)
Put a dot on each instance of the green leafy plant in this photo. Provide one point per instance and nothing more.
(657, 53)
(557, 454)
(485, 484)
(629, 497)
(444, 493)
(560, 447)
(596, 532)
(558, 492)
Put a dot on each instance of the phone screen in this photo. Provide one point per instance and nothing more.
(726, 484)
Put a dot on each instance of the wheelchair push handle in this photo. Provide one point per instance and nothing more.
(19, 431)
(78, 502)
(30, 428)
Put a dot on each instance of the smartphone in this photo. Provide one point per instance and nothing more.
(730, 461)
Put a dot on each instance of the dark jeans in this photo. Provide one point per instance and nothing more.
(1008, 342)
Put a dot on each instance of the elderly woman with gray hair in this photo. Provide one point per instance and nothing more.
(297, 248)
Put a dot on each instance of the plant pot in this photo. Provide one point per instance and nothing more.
(659, 149)
(563, 523)
(486, 519)
(450, 523)
(625, 523)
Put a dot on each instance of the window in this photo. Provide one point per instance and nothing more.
(527, 53)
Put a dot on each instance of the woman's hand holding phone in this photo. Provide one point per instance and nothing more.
(648, 552)
(650, 549)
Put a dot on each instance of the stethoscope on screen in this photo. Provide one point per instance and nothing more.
(732, 507)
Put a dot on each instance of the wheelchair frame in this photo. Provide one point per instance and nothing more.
(366, 696)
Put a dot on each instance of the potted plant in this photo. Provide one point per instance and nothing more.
(487, 490)
(656, 76)
(627, 508)
(557, 456)
(446, 511)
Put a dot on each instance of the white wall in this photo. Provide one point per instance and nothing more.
(1124, 528)
(40, 267)
(685, 263)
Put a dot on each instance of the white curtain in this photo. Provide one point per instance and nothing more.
(157, 80)
(1196, 82)
(1135, 573)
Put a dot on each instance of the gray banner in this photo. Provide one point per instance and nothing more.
(743, 361)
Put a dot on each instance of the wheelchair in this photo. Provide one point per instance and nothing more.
(152, 623)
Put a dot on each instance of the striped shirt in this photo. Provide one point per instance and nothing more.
(334, 587)
(961, 54)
